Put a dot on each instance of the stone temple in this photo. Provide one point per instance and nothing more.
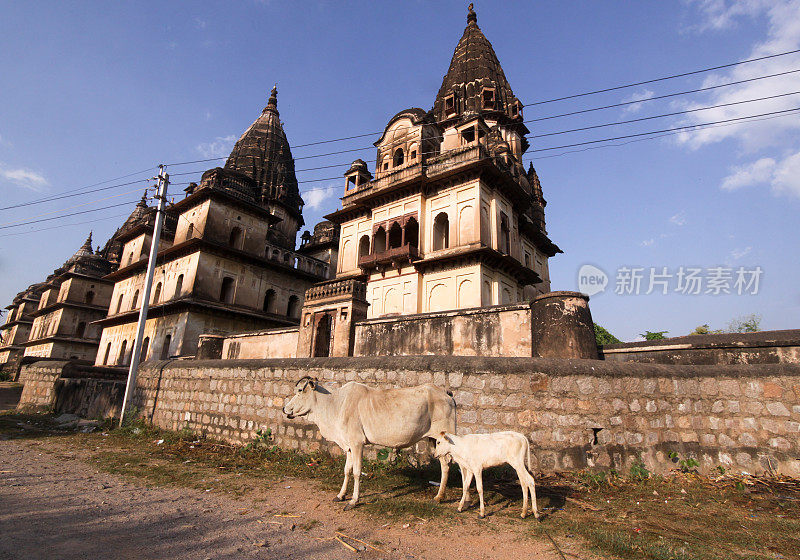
(435, 269)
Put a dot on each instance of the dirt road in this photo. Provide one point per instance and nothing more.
(54, 504)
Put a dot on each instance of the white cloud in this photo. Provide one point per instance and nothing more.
(737, 254)
(200, 23)
(783, 175)
(221, 146)
(24, 178)
(315, 198)
(636, 96)
(783, 34)
(747, 175)
(786, 179)
(678, 219)
(648, 242)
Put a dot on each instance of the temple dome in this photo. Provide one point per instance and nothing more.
(474, 72)
(263, 154)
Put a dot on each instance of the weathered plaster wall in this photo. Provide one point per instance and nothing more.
(576, 413)
(485, 331)
(272, 343)
(765, 347)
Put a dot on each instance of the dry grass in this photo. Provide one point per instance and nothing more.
(679, 517)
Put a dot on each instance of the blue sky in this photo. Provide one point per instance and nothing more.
(93, 91)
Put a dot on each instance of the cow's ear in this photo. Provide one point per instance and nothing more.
(312, 382)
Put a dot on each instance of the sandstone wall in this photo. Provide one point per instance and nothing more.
(272, 343)
(764, 347)
(39, 382)
(501, 330)
(577, 413)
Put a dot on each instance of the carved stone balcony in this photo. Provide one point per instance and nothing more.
(333, 288)
(406, 253)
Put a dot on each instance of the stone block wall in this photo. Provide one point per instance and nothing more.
(273, 343)
(763, 347)
(39, 382)
(577, 413)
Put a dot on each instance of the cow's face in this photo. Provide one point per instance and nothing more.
(444, 445)
(303, 399)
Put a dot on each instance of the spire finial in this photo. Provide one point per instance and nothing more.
(143, 201)
(472, 17)
(273, 96)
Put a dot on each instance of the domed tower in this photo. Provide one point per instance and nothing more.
(263, 154)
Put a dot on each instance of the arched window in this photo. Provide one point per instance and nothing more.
(135, 299)
(107, 355)
(179, 286)
(226, 290)
(441, 232)
(379, 241)
(293, 308)
(119, 303)
(145, 348)
(269, 301)
(190, 231)
(89, 297)
(276, 255)
(165, 347)
(412, 232)
(322, 338)
(122, 353)
(398, 158)
(80, 330)
(395, 236)
(235, 237)
(157, 293)
(286, 258)
(363, 246)
(505, 235)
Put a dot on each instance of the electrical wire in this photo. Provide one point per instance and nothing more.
(26, 232)
(67, 215)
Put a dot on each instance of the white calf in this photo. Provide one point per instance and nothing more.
(475, 452)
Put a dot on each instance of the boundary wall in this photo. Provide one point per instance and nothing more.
(576, 413)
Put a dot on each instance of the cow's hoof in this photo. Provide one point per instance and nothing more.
(438, 499)
(480, 515)
(349, 506)
(338, 498)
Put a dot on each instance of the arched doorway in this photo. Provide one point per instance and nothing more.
(322, 337)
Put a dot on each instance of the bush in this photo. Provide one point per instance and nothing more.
(603, 337)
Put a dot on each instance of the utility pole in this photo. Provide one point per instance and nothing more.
(161, 196)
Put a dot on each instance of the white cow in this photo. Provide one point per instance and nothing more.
(475, 452)
(355, 415)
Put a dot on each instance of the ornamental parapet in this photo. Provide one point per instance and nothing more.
(336, 288)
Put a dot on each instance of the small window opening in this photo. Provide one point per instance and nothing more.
(398, 158)
(293, 308)
(165, 347)
(595, 431)
(89, 297)
(412, 232)
(269, 301)
(488, 99)
(351, 182)
(379, 241)
(413, 155)
(395, 236)
(441, 232)
(363, 246)
(179, 286)
(235, 237)
(505, 237)
(226, 290)
(157, 293)
(468, 135)
(190, 231)
(450, 104)
(135, 299)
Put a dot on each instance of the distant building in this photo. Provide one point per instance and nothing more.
(322, 245)
(450, 219)
(226, 262)
(15, 331)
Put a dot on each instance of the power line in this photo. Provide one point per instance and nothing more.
(676, 129)
(67, 215)
(653, 138)
(681, 75)
(665, 96)
(59, 226)
(60, 210)
(31, 203)
(665, 115)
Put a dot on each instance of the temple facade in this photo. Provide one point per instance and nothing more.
(226, 261)
(449, 218)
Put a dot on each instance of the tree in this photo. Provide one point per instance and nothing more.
(701, 329)
(657, 335)
(745, 323)
(603, 337)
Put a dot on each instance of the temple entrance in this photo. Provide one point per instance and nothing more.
(322, 338)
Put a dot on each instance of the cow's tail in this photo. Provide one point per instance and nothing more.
(528, 447)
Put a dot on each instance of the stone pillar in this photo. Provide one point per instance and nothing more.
(562, 326)
(344, 301)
